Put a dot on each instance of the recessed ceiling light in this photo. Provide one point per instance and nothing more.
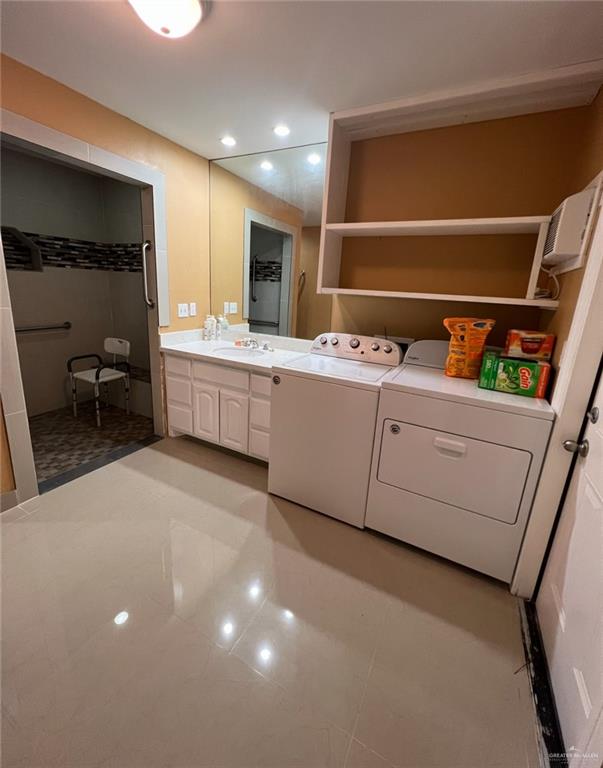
(121, 618)
(266, 165)
(169, 18)
(282, 130)
(228, 141)
(314, 158)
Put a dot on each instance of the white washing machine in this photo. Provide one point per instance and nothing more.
(455, 467)
(322, 423)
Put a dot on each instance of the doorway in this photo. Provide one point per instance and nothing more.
(269, 249)
(72, 242)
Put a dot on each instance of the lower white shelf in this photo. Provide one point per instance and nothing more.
(541, 303)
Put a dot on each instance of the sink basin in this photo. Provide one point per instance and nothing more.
(239, 353)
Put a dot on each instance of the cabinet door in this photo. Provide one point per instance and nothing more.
(206, 412)
(234, 420)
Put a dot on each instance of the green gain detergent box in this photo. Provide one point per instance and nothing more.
(516, 377)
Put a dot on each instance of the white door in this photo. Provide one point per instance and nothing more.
(570, 605)
(206, 412)
(234, 420)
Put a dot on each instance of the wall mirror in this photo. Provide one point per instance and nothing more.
(265, 212)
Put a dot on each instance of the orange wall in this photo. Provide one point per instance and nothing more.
(7, 480)
(313, 309)
(33, 95)
(230, 195)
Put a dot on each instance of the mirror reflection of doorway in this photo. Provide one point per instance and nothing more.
(268, 295)
(269, 248)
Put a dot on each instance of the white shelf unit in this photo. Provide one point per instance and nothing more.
(564, 87)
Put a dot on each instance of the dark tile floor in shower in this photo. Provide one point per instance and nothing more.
(61, 442)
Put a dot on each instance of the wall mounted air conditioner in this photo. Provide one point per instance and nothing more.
(567, 228)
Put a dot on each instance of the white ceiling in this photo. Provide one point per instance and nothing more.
(292, 177)
(250, 65)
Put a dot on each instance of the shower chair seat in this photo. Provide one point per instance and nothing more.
(102, 373)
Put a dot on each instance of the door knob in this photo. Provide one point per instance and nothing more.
(573, 447)
(593, 415)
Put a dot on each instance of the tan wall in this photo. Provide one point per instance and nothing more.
(33, 95)
(229, 197)
(313, 309)
(7, 480)
(509, 167)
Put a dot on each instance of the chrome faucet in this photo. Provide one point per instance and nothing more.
(251, 343)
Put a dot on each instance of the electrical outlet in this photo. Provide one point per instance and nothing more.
(192, 308)
(226, 308)
(182, 310)
(233, 308)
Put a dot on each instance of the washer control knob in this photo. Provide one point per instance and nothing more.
(323, 339)
(375, 346)
(334, 341)
(354, 343)
(387, 349)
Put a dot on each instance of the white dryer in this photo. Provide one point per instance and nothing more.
(322, 423)
(455, 467)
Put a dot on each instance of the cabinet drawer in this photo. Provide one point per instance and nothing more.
(178, 391)
(180, 419)
(260, 385)
(177, 365)
(218, 374)
(259, 443)
(259, 413)
(484, 478)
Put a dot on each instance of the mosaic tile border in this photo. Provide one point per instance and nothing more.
(69, 253)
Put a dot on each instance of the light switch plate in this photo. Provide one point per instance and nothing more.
(192, 308)
(233, 309)
(226, 307)
(182, 310)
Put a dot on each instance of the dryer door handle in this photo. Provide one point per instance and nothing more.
(450, 447)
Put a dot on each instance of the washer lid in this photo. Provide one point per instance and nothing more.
(344, 369)
(432, 382)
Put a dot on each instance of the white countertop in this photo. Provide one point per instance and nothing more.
(432, 382)
(219, 352)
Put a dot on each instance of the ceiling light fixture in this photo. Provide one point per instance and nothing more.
(169, 18)
(282, 130)
(266, 165)
(314, 158)
(228, 141)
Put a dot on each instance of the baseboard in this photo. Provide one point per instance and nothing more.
(551, 747)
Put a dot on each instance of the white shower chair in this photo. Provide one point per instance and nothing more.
(102, 374)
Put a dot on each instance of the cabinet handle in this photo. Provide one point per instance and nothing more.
(276, 379)
(442, 444)
(394, 429)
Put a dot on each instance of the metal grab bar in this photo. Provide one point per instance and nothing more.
(253, 293)
(54, 327)
(145, 283)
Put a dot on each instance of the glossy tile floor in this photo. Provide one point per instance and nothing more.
(165, 611)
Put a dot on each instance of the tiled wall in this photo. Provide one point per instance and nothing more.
(72, 254)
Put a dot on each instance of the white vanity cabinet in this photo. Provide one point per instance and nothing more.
(223, 405)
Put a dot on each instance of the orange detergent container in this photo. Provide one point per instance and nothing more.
(466, 345)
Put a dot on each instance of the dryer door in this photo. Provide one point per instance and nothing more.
(480, 477)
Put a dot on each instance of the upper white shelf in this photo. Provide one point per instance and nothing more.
(515, 225)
